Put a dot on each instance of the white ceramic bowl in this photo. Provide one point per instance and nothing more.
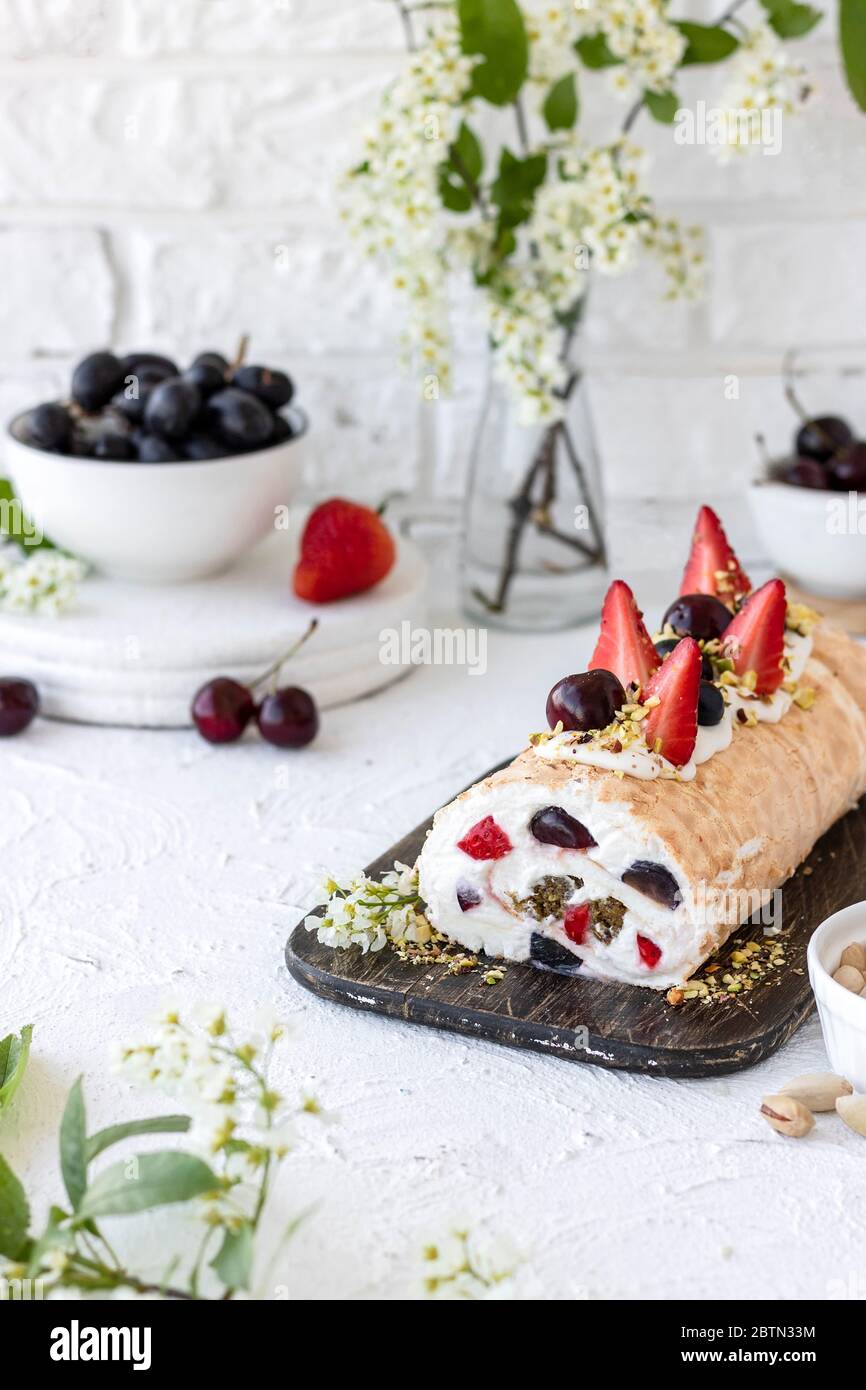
(813, 537)
(842, 1014)
(156, 523)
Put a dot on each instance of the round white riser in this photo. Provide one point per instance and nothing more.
(135, 654)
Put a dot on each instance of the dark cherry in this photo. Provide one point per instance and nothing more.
(222, 709)
(206, 378)
(553, 826)
(711, 706)
(547, 954)
(848, 469)
(95, 380)
(131, 399)
(244, 420)
(467, 895)
(698, 615)
(823, 437)
(152, 448)
(171, 408)
(135, 362)
(19, 704)
(666, 646)
(212, 359)
(655, 881)
(273, 387)
(585, 701)
(205, 446)
(49, 426)
(282, 429)
(118, 448)
(289, 717)
(806, 472)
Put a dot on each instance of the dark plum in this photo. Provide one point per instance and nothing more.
(222, 709)
(655, 881)
(289, 718)
(848, 469)
(823, 437)
(665, 646)
(113, 447)
(171, 408)
(133, 396)
(49, 427)
(806, 472)
(698, 615)
(134, 362)
(95, 380)
(468, 895)
(204, 446)
(154, 449)
(244, 421)
(274, 388)
(548, 954)
(585, 701)
(19, 704)
(711, 706)
(554, 826)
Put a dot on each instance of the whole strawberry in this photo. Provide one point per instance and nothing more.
(345, 549)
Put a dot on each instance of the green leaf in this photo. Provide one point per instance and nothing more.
(594, 52)
(495, 30)
(706, 43)
(14, 1213)
(852, 36)
(789, 19)
(234, 1259)
(662, 105)
(115, 1134)
(14, 1053)
(73, 1146)
(148, 1180)
(513, 189)
(560, 104)
(459, 174)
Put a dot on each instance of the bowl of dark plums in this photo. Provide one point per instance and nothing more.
(810, 509)
(158, 473)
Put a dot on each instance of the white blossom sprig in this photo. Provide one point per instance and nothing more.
(44, 583)
(372, 913)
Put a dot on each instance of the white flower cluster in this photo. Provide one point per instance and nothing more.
(236, 1117)
(371, 914)
(392, 203)
(639, 33)
(45, 582)
(763, 79)
(552, 30)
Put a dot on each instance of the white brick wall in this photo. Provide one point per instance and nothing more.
(166, 179)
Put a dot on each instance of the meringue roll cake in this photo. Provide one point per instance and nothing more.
(680, 782)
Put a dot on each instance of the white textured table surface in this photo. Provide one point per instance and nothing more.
(143, 867)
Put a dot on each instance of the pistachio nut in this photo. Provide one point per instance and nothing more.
(853, 1111)
(818, 1090)
(786, 1115)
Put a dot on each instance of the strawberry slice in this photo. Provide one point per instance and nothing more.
(755, 640)
(674, 720)
(624, 646)
(485, 840)
(576, 922)
(713, 568)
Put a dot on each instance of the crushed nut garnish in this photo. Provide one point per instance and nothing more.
(739, 967)
(801, 618)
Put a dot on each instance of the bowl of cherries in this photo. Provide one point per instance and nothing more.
(157, 473)
(810, 509)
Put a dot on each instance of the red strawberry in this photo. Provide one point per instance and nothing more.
(648, 951)
(624, 645)
(576, 922)
(345, 549)
(486, 840)
(674, 720)
(713, 568)
(755, 640)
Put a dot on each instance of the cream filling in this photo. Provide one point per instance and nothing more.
(638, 760)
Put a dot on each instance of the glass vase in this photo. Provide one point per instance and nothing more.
(533, 553)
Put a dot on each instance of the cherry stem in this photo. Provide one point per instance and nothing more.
(241, 352)
(274, 670)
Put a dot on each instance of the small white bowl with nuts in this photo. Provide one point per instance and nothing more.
(837, 971)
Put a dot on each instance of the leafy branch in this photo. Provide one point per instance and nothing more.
(241, 1135)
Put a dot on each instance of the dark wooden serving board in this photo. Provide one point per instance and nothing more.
(585, 1020)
